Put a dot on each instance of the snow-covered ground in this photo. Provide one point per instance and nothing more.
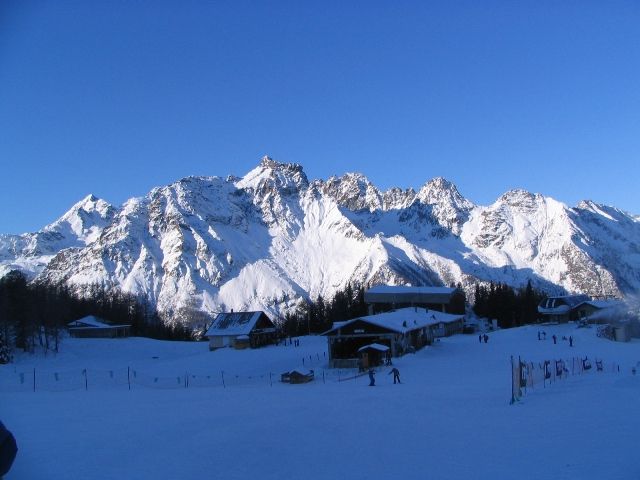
(450, 419)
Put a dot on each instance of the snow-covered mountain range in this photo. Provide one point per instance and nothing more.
(272, 237)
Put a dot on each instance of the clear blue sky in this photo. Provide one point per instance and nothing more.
(114, 98)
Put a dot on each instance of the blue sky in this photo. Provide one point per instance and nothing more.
(114, 98)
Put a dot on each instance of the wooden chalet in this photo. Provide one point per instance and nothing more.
(241, 330)
(389, 334)
(433, 298)
(94, 327)
(566, 308)
(297, 376)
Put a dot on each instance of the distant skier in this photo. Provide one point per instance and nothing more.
(372, 378)
(485, 338)
(570, 341)
(555, 339)
(396, 375)
(480, 338)
(538, 335)
(8, 449)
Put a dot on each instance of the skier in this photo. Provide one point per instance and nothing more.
(486, 338)
(570, 341)
(396, 375)
(480, 338)
(554, 339)
(372, 378)
(8, 449)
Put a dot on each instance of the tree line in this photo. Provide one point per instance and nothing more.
(510, 307)
(35, 314)
(318, 316)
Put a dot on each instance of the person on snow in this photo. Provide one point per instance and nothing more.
(555, 339)
(570, 341)
(485, 338)
(396, 375)
(8, 449)
(372, 378)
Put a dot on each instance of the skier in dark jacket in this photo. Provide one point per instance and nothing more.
(396, 375)
(372, 378)
(8, 449)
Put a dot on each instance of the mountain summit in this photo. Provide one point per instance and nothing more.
(272, 238)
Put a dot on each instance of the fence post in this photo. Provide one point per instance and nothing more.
(513, 385)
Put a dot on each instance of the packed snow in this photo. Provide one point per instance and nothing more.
(451, 417)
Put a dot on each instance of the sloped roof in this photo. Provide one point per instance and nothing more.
(89, 321)
(561, 305)
(374, 346)
(234, 323)
(402, 294)
(613, 303)
(403, 320)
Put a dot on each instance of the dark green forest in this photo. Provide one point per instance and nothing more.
(33, 314)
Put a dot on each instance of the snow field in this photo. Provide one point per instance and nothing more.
(450, 419)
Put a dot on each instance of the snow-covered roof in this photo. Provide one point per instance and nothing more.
(402, 294)
(561, 304)
(605, 303)
(374, 346)
(233, 323)
(403, 320)
(91, 322)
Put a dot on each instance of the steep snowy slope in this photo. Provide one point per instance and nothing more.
(271, 238)
(80, 226)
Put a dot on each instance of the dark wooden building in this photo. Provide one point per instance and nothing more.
(401, 331)
(395, 297)
(241, 330)
(93, 327)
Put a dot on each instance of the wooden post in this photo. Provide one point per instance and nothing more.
(513, 396)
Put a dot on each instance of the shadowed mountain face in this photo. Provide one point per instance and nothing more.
(267, 239)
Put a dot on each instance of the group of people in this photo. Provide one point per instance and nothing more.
(543, 336)
(394, 371)
(483, 338)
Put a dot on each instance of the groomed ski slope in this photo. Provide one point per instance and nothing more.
(450, 419)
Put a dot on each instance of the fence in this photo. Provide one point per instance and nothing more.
(527, 376)
(14, 379)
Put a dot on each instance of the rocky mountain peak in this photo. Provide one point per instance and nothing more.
(271, 175)
(353, 191)
(518, 197)
(88, 214)
(440, 191)
(450, 208)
